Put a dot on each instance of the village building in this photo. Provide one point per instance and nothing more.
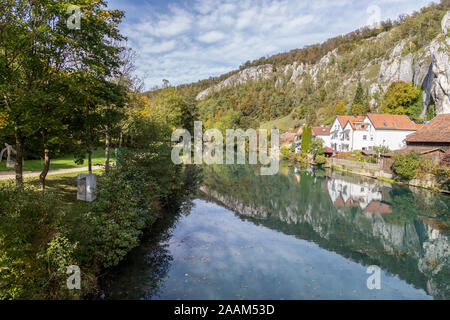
(434, 135)
(323, 133)
(288, 138)
(350, 133)
(431, 140)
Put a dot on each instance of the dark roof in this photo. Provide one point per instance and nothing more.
(419, 149)
(437, 130)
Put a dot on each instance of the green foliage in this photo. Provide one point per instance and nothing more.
(402, 98)
(306, 139)
(431, 111)
(381, 150)
(32, 255)
(406, 165)
(360, 101)
(316, 148)
(123, 209)
(47, 69)
(340, 109)
(285, 153)
(320, 160)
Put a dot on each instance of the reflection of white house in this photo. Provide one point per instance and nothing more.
(349, 133)
(347, 194)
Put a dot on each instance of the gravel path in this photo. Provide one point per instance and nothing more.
(6, 175)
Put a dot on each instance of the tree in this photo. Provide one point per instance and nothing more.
(431, 110)
(97, 109)
(406, 165)
(400, 98)
(360, 102)
(359, 98)
(3, 120)
(317, 148)
(340, 109)
(306, 139)
(358, 110)
(38, 51)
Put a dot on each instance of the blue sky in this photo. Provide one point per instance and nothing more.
(189, 40)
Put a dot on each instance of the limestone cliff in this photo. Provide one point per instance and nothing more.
(254, 73)
(427, 67)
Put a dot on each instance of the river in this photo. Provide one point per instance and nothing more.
(300, 234)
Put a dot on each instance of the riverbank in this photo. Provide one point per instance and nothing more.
(375, 171)
(42, 233)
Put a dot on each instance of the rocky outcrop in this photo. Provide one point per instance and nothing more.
(428, 68)
(253, 73)
(446, 25)
(440, 89)
(397, 67)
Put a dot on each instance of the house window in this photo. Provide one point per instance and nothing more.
(364, 137)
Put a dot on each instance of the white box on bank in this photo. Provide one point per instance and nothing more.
(87, 185)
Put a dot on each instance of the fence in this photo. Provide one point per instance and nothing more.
(367, 169)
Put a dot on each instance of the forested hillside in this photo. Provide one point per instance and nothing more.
(348, 74)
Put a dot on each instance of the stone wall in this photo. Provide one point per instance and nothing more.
(373, 170)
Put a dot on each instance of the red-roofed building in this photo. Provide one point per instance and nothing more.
(322, 133)
(435, 134)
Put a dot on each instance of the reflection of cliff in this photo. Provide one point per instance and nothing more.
(363, 220)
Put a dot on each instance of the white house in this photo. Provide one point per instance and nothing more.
(349, 133)
(322, 133)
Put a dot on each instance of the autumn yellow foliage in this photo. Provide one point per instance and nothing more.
(3, 120)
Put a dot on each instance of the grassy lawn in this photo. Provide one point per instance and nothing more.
(64, 185)
(283, 124)
(67, 162)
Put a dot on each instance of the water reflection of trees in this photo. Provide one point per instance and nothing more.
(138, 278)
(403, 230)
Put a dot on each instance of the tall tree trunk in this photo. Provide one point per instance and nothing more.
(121, 139)
(44, 172)
(19, 158)
(90, 161)
(107, 149)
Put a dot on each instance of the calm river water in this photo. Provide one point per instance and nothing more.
(297, 235)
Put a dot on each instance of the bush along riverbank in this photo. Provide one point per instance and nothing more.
(41, 233)
(421, 172)
(313, 153)
(409, 169)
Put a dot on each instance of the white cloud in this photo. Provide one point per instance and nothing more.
(159, 47)
(190, 41)
(211, 37)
